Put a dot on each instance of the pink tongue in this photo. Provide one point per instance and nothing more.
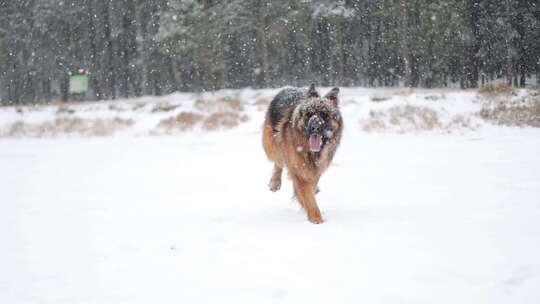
(315, 143)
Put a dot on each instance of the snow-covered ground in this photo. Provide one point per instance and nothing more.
(419, 217)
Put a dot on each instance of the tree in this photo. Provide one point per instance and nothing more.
(129, 48)
(472, 43)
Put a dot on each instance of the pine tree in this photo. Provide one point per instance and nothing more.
(129, 48)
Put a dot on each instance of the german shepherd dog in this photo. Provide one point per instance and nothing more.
(302, 131)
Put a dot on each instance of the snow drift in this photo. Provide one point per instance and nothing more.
(372, 110)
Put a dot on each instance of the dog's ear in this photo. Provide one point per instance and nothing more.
(333, 96)
(312, 93)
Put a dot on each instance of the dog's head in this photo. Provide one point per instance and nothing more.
(318, 118)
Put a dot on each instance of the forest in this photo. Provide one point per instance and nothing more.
(130, 48)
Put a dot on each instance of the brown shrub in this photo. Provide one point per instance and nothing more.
(434, 97)
(137, 106)
(181, 122)
(105, 127)
(405, 92)
(65, 110)
(535, 91)
(202, 104)
(164, 107)
(231, 102)
(115, 107)
(420, 117)
(225, 103)
(65, 126)
(379, 98)
(402, 119)
(262, 101)
(224, 120)
(493, 90)
(374, 123)
(507, 114)
(463, 122)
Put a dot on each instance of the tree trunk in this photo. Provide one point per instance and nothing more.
(521, 43)
(110, 78)
(522, 76)
(94, 61)
(261, 47)
(64, 87)
(538, 72)
(405, 43)
(509, 60)
(509, 68)
(472, 63)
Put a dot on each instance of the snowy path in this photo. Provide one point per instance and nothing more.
(188, 219)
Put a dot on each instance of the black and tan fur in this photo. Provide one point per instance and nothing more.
(302, 131)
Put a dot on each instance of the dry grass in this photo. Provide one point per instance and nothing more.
(186, 121)
(233, 103)
(435, 97)
(406, 92)
(412, 118)
(224, 120)
(181, 122)
(520, 110)
(379, 98)
(420, 117)
(203, 104)
(262, 103)
(374, 123)
(65, 110)
(117, 108)
(535, 91)
(222, 104)
(66, 126)
(512, 114)
(461, 122)
(138, 105)
(494, 90)
(222, 113)
(164, 107)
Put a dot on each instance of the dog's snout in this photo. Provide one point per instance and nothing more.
(315, 124)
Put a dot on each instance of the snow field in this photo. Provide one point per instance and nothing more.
(410, 218)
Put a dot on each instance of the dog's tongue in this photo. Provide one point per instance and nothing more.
(315, 143)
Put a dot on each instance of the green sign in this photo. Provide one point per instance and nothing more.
(78, 84)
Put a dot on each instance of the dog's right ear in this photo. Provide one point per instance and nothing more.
(312, 93)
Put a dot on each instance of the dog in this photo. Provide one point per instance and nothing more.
(302, 132)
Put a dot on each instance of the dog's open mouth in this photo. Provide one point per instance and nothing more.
(315, 142)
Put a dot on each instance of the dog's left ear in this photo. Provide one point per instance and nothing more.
(312, 93)
(333, 96)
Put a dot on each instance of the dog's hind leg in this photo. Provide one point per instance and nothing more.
(275, 181)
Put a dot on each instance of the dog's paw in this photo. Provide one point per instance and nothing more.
(274, 185)
(315, 219)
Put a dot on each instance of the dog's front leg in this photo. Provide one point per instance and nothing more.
(305, 193)
(275, 181)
